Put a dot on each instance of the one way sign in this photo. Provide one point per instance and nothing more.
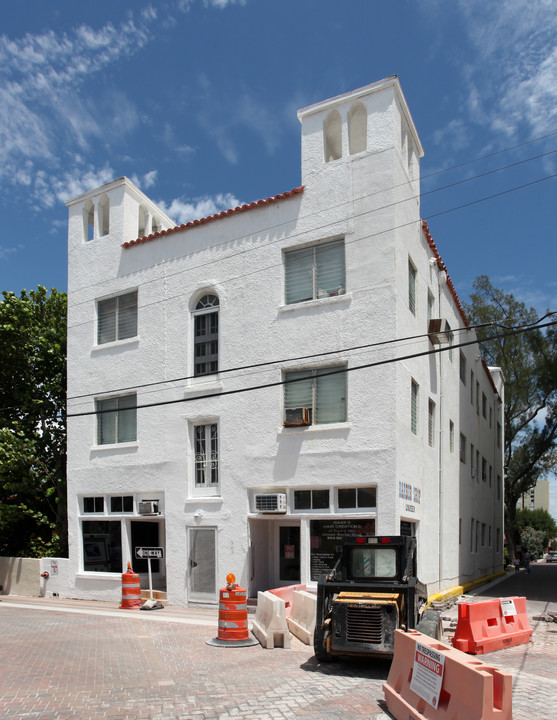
(144, 553)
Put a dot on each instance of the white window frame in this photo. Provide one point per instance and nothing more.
(117, 411)
(313, 375)
(121, 332)
(208, 304)
(206, 464)
(306, 261)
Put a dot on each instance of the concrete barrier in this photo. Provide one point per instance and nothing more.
(20, 576)
(269, 625)
(301, 622)
(287, 594)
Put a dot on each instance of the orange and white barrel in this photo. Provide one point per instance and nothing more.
(131, 591)
(233, 614)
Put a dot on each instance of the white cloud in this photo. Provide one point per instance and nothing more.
(40, 103)
(182, 211)
(147, 181)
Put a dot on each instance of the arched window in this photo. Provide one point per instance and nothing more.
(332, 136)
(357, 129)
(206, 335)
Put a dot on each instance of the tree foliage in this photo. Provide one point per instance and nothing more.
(540, 520)
(33, 423)
(529, 363)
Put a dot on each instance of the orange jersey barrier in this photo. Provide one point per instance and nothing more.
(491, 625)
(470, 689)
(131, 591)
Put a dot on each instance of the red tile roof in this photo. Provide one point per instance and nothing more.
(217, 216)
(442, 266)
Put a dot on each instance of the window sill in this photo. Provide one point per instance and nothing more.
(203, 387)
(347, 297)
(206, 499)
(115, 446)
(315, 429)
(128, 342)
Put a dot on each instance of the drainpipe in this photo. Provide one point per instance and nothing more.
(441, 280)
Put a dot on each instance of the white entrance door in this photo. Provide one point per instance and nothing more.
(202, 558)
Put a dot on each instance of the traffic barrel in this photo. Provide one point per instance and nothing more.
(233, 617)
(131, 591)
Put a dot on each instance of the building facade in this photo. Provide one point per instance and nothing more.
(246, 389)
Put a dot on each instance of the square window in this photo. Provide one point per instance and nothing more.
(324, 394)
(117, 420)
(311, 499)
(117, 318)
(121, 504)
(93, 504)
(314, 272)
(350, 498)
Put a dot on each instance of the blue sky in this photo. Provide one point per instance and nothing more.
(195, 100)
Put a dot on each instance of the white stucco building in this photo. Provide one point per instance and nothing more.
(185, 430)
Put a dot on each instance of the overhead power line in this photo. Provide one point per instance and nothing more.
(383, 190)
(324, 226)
(345, 369)
(311, 356)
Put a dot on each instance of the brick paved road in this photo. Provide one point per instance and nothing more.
(127, 665)
(62, 666)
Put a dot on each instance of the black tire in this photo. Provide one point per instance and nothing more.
(319, 638)
(430, 624)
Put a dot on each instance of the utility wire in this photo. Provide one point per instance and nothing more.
(384, 190)
(279, 383)
(312, 356)
(328, 226)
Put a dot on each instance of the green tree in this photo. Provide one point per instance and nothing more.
(33, 423)
(529, 364)
(539, 520)
(531, 540)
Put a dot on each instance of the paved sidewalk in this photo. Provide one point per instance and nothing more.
(70, 660)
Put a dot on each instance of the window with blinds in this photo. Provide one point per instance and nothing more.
(117, 420)
(412, 287)
(315, 272)
(431, 424)
(117, 318)
(323, 395)
(414, 407)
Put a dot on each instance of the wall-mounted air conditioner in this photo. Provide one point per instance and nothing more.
(296, 417)
(148, 507)
(438, 331)
(270, 503)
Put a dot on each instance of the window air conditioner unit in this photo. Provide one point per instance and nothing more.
(149, 507)
(271, 503)
(296, 417)
(438, 331)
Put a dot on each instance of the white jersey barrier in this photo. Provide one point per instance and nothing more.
(302, 616)
(270, 626)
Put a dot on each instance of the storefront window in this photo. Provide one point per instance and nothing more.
(102, 546)
(327, 537)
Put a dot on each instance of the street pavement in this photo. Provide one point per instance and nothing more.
(75, 660)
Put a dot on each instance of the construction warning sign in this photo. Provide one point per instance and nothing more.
(427, 674)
